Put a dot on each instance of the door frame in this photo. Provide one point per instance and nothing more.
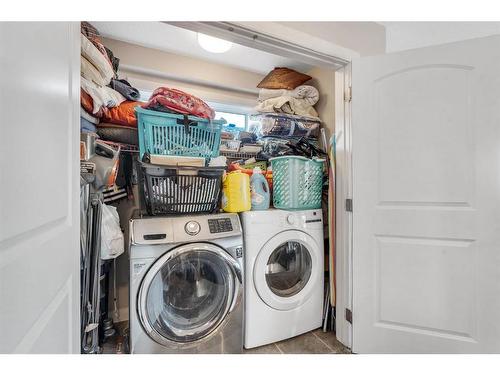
(272, 38)
(343, 217)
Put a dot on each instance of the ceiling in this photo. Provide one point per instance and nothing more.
(366, 38)
(174, 39)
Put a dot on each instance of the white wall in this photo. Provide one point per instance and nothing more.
(149, 68)
(408, 35)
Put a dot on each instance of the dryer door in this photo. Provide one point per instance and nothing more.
(286, 270)
(188, 292)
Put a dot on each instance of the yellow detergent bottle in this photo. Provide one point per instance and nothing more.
(236, 192)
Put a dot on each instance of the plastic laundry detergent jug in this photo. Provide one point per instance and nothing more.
(259, 190)
(236, 192)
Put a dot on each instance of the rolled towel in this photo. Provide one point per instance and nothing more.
(125, 88)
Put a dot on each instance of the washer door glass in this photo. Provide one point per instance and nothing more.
(288, 269)
(189, 295)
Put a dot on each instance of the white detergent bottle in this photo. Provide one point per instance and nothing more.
(259, 190)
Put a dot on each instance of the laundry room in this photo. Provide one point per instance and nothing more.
(207, 193)
(202, 193)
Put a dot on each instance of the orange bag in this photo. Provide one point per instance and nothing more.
(124, 114)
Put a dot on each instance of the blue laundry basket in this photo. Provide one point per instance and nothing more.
(162, 133)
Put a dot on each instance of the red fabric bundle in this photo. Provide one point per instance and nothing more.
(180, 102)
(124, 114)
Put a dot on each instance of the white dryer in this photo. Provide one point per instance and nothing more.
(284, 274)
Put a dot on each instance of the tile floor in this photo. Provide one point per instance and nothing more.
(314, 342)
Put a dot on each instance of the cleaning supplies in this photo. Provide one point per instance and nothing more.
(236, 192)
(259, 190)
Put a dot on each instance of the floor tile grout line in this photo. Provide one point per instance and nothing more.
(320, 339)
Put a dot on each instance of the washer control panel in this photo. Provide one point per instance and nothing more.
(220, 225)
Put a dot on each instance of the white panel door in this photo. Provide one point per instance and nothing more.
(426, 197)
(39, 187)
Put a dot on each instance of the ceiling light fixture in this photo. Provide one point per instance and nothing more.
(212, 44)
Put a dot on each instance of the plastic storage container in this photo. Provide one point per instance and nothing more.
(285, 125)
(297, 182)
(181, 190)
(236, 192)
(163, 133)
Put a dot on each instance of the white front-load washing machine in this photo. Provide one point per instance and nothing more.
(284, 274)
(186, 284)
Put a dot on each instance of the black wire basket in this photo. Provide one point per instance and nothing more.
(181, 190)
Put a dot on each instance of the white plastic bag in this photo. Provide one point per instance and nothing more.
(112, 244)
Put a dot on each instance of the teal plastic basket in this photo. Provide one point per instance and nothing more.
(162, 133)
(297, 182)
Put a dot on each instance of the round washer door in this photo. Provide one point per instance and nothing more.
(286, 269)
(188, 292)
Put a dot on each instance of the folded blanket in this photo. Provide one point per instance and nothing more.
(287, 104)
(309, 94)
(102, 96)
(86, 126)
(125, 88)
(90, 72)
(299, 101)
(84, 114)
(96, 58)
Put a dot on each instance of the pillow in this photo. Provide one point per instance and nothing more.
(283, 78)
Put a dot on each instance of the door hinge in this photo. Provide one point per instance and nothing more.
(348, 94)
(348, 315)
(348, 205)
